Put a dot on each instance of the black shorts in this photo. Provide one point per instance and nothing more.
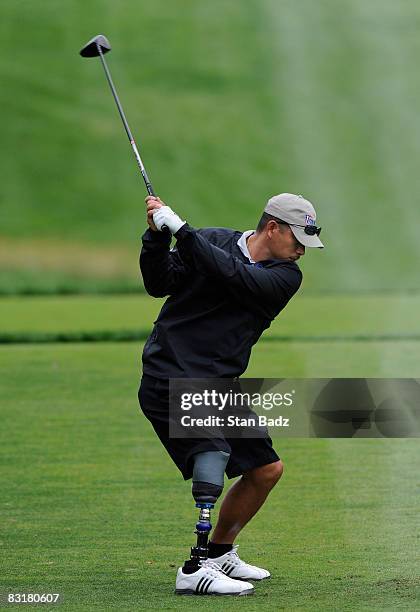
(245, 453)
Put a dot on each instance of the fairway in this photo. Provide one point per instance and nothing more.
(392, 316)
(88, 491)
(316, 336)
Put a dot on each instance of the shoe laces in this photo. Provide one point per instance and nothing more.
(213, 568)
(235, 557)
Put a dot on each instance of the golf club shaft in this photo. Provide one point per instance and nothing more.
(147, 182)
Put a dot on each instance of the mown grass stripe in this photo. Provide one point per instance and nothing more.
(345, 338)
(29, 291)
(73, 290)
(142, 335)
(80, 336)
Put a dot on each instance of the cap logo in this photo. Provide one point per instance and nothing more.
(309, 220)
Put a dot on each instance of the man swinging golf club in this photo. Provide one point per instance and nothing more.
(224, 287)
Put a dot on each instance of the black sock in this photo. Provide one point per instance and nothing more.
(217, 550)
(190, 570)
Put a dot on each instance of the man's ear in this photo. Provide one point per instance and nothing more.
(271, 227)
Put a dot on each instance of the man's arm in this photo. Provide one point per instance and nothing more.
(263, 290)
(161, 268)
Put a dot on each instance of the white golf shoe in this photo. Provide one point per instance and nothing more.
(210, 580)
(234, 567)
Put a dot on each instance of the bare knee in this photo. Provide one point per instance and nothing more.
(266, 475)
(273, 472)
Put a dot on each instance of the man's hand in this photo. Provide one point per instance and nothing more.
(159, 216)
(166, 217)
(153, 203)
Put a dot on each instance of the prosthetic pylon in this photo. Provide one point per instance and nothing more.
(202, 529)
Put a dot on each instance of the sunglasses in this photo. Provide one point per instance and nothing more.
(311, 230)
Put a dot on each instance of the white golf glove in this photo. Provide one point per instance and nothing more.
(165, 216)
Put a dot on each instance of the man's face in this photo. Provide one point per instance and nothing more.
(282, 242)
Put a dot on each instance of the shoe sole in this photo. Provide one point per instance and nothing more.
(251, 579)
(191, 592)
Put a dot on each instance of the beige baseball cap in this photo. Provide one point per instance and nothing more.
(299, 214)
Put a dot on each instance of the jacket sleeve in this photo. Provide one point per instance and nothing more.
(263, 290)
(162, 269)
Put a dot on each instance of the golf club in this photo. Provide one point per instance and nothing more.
(98, 46)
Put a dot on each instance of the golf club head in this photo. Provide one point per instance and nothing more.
(91, 48)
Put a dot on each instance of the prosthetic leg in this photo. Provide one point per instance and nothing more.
(207, 486)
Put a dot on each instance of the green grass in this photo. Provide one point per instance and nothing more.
(330, 315)
(93, 508)
(376, 324)
(78, 313)
(237, 101)
(87, 489)
(324, 336)
(335, 359)
(34, 282)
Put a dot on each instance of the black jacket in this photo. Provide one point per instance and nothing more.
(219, 303)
